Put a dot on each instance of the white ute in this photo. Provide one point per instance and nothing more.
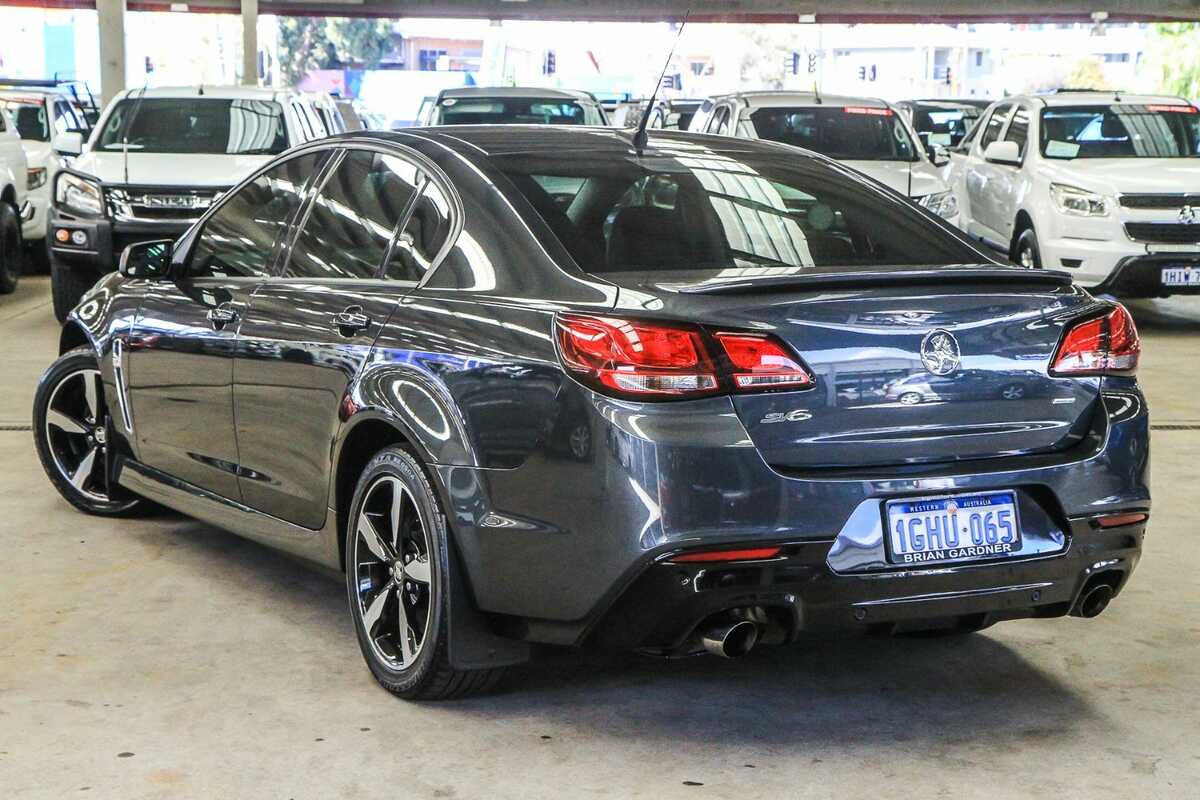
(863, 133)
(155, 162)
(1105, 185)
(13, 205)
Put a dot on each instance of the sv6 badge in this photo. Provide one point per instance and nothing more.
(798, 415)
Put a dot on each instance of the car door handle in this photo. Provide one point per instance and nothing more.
(222, 315)
(351, 321)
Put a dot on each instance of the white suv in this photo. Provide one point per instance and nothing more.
(864, 133)
(1102, 184)
(156, 160)
(13, 205)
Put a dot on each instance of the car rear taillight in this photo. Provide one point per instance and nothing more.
(641, 358)
(1107, 345)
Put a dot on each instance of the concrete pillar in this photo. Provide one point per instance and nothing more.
(110, 15)
(250, 42)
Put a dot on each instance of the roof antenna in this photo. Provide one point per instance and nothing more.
(640, 137)
(817, 94)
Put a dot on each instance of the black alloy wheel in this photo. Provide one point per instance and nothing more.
(397, 574)
(71, 430)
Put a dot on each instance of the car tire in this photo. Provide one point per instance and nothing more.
(68, 285)
(1026, 252)
(10, 249)
(69, 430)
(37, 257)
(911, 398)
(398, 564)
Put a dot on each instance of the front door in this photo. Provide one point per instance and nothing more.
(983, 180)
(309, 331)
(181, 350)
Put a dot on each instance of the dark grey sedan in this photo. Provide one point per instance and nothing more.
(537, 385)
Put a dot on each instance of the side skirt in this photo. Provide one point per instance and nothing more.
(317, 546)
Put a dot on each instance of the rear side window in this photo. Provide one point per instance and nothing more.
(995, 124)
(352, 217)
(692, 211)
(425, 231)
(239, 239)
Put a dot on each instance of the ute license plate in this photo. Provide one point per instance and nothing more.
(1179, 275)
(967, 527)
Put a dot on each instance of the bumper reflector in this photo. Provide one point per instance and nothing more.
(1117, 520)
(709, 556)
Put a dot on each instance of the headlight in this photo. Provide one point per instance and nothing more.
(943, 204)
(78, 194)
(1078, 202)
(35, 177)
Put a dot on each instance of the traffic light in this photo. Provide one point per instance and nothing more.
(947, 76)
(812, 63)
(549, 63)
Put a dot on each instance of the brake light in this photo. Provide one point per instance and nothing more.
(873, 112)
(715, 556)
(1177, 109)
(1107, 345)
(1120, 520)
(636, 358)
(640, 358)
(761, 362)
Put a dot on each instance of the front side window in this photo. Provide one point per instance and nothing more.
(1121, 131)
(1018, 130)
(847, 133)
(30, 118)
(239, 239)
(195, 125)
(353, 217)
(995, 124)
(516, 110)
(699, 210)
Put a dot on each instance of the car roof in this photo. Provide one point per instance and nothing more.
(778, 99)
(502, 140)
(32, 95)
(1090, 98)
(205, 90)
(949, 104)
(515, 91)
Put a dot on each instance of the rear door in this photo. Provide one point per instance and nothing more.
(181, 349)
(309, 330)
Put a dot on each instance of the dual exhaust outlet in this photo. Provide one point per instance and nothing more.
(731, 639)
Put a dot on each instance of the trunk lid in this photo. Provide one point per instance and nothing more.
(875, 341)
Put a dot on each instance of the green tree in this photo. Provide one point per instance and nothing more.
(309, 43)
(1173, 56)
(1087, 74)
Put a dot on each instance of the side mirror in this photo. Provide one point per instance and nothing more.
(1003, 153)
(937, 155)
(147, 259)
(69, 143)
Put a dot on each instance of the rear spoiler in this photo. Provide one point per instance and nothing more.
(872, 277)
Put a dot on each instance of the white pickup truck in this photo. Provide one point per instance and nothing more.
(13, 179)
(156, 160)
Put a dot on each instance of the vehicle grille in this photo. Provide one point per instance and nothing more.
(1163, 232)
(165, 204)
(1159, 200)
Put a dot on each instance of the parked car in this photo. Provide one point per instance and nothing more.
(478, 105)
(39, 114)
(667, 114)
(328, 112)
(155, 162)
(940, 123)
(78, 92)
(863, 133)
(14, 206)
(611, 424)
(1105, 185)
(964, 384)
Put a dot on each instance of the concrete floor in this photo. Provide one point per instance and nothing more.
(164, 658)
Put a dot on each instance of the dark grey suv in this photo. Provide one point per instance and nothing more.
(537, 385)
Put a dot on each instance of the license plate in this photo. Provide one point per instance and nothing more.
(968, 527)
(1181, 276)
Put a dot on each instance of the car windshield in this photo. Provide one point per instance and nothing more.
(195, 125)
(944, 126)
(848, 133)
(516, 110)
(688, 208)
(30, 119)
(1121, 131)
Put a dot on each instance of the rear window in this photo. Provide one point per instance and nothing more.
(516, 111)
(701, 211)
(848, 133)
(195, 125)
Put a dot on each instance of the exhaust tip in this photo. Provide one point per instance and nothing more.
(1095, 600)
(730, 640)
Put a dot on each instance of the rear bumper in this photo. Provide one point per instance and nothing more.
(799, 592)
